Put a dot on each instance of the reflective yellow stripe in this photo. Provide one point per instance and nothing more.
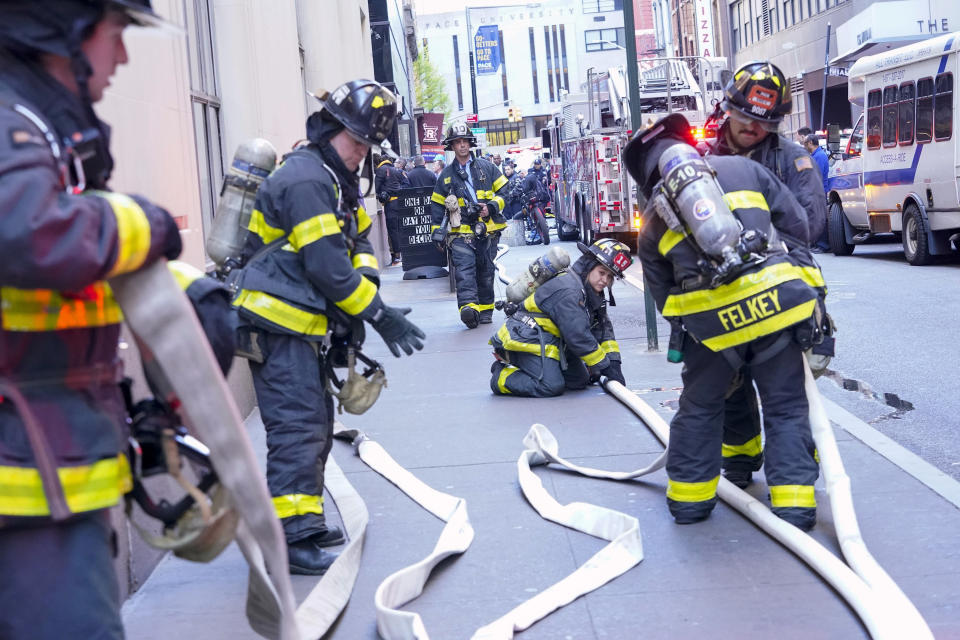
(325, 224)
(133, 231)
(283, 314)
(610, 346)
(495, 226)
(692, 491)
(184, 273)
(792, 495)
(499, 182)
(548, 325)
(752, 447)
(510, 344)
(593, 357)
(87, 487)
(365, 260)
(746, 200)
(499, 201)
(363, 220)
(259, 226)
(683, 304)
(297, 504)
(47, 310)
(812, 276)
(669, 240)
(502, 378)
(477, 306)
(762, 328)
(360, 299)
(436, 197)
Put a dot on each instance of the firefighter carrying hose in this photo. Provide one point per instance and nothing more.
(62, 419)
(560, 337)
(724, 250)
(309, 283)
(468, 198)
(756, 98)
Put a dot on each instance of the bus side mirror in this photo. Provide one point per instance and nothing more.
(833, 139)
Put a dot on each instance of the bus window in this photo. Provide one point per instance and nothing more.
(873, 119)
(924, 110)
(855, 143)
(943, 108)
(906, 114)
(890, 116)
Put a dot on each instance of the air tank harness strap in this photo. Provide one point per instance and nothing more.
(527, 318)
(736, 361)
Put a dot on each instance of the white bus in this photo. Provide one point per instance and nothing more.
(899, 172)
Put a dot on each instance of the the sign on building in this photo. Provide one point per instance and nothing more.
(481, 135)
(487, 48)
(704, 30)
(430, 134)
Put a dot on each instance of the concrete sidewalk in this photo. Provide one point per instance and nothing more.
(723, 578)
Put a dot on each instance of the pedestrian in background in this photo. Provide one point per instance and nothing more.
(812, 144)
(420, 176)
(438, 165)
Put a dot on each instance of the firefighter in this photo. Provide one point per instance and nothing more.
(62, 420)
(476, 188)
(757, 316)
(561, 337)
(756, 98)
(311, 278)
(513, 191)
(388, 181)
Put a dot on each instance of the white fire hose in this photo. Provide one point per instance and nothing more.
(881, 605)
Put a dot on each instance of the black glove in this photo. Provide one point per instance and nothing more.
(162, 227)
(491, 209)
(396, 330)
(614, 372)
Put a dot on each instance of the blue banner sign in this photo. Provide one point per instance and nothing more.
(487, 46)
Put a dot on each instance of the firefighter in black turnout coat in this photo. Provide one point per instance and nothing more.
(756, 98)
(309, 283)
(561, 337)
(751, 309)
(388, 181)
(469, 197)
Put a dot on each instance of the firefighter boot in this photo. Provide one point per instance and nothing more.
(307, 558)
(328, 536)
(470, 317)
(739, 477)
(486, 316)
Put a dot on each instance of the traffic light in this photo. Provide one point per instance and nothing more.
(513, 114)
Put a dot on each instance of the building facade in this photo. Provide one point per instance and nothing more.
(394, 44)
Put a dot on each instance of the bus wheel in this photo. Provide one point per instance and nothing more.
(916, 245)
(836, 232)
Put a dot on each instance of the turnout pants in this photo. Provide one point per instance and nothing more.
(393, 226)
(742, 444)
(297, 411)
(533, 376)
(58, 581)
(474, 270)
(693, 459)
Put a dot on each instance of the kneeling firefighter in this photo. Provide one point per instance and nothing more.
(724, 249)
(309, 282)
(560, 336)
(467, 206)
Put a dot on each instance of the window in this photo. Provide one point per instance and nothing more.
(205, 103)
(889, 116)
(906, 113)
(503, 61)
(873, 119)
(456, 72)
(737, 45)
(786, 14)
(604, 39)
(943, 108)
(546, 39)
(502, 132)
(597, 6)
(855, 144)
(924, 110)
(533, 66)
(563, 49)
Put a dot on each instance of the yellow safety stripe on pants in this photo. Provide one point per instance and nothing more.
(669, 240)
(594, 357)
(133, 232)
(746, 200)
(499, 182)
(792, 495)
(283, 314)
(752, 447)
(477, 306)
(762, 328)
(185, 274)
(683, 304)
(47, 310)
(363, 219)
(258, 225)
(692, 491)
(86, 488)
(297, 504)
(610, 346)
(365, 260)
(319, 226)
(503, 334)
(502, 378)
(360, 299)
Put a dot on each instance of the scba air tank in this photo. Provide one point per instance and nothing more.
(540, 270)
(253, 161)
(689, 183)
